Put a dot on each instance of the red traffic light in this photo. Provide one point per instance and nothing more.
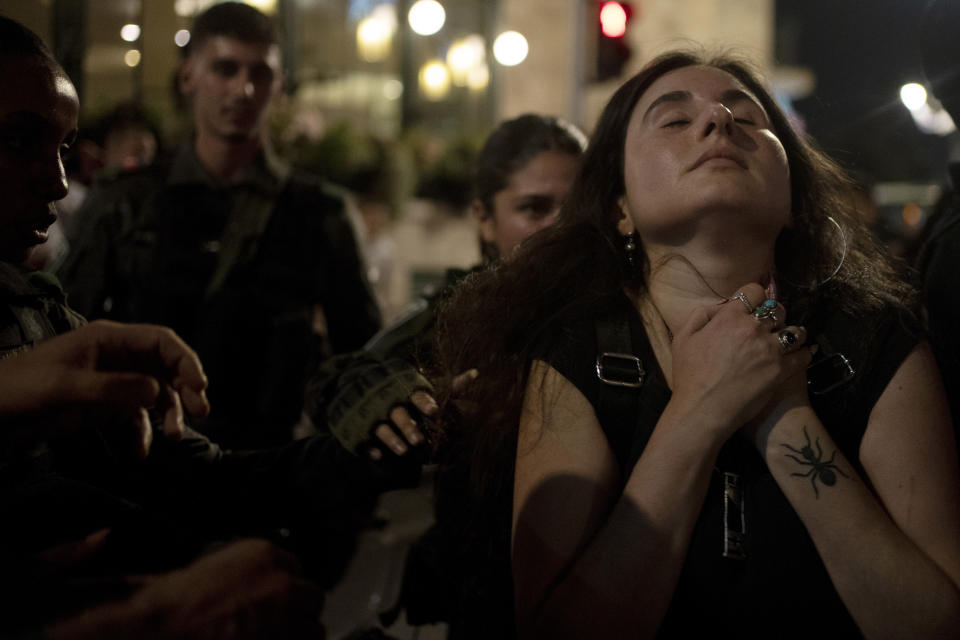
(613, 19)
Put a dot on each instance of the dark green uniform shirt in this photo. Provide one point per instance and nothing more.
(262, 278)
(311, 496)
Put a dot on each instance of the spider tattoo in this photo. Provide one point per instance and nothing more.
(819, 468)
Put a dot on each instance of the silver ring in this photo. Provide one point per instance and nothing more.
(787, 340)
(766, 310)
(742, 297)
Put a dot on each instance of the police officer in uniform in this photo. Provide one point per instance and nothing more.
(99, 541)
(253, 263)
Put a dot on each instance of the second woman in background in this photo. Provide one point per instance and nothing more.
(523, 174)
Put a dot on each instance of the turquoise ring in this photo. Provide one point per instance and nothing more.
(766, 310)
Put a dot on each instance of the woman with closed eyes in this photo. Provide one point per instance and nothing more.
(703, 403)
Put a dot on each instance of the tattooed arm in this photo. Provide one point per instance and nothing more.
(894, 557)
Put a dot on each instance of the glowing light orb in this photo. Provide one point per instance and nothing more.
(434, 80)
(130, 32)
(426, 17)
(913, 96)
(510, 48)
(613, 19)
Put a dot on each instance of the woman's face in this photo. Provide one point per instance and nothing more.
(38, 121)
(530, 201)
(698, 144)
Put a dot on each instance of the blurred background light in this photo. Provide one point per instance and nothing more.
(269, 7)
(130, 32)
(375, 33)
(929, 115)
(510, 48)
(464, 55)
(190, 8)
(935, 120)
(478, 77)
(392, 89)
(912, 214)
(181, 38)
(426, 17)
(613, 19)
(185, 8)
(434, 80)
(913, 95)
(131, 58)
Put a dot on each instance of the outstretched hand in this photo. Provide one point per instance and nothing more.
(109, 372)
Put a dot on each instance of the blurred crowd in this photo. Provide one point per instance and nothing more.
(677, 381)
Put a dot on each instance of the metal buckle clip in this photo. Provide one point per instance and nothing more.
(622, 365)
(734, 518)
(828, 373)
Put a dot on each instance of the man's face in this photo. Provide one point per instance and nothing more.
(230, 83)
(38, 122)
(129, 148)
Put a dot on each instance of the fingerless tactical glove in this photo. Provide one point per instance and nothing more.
(365, 398)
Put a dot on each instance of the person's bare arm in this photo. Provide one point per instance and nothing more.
(893, 556)
(588, 562)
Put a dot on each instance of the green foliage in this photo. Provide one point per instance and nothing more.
(420, 164)
(446, 168)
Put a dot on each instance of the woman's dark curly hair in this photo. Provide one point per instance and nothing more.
(498, 318)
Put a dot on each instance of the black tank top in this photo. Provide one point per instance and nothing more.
(782, 588)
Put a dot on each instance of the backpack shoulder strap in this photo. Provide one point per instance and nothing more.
(631, 395)
(621, 374)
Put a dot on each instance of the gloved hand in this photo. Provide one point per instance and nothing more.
(375, 404)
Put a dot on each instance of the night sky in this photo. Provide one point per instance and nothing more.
(861, 52)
